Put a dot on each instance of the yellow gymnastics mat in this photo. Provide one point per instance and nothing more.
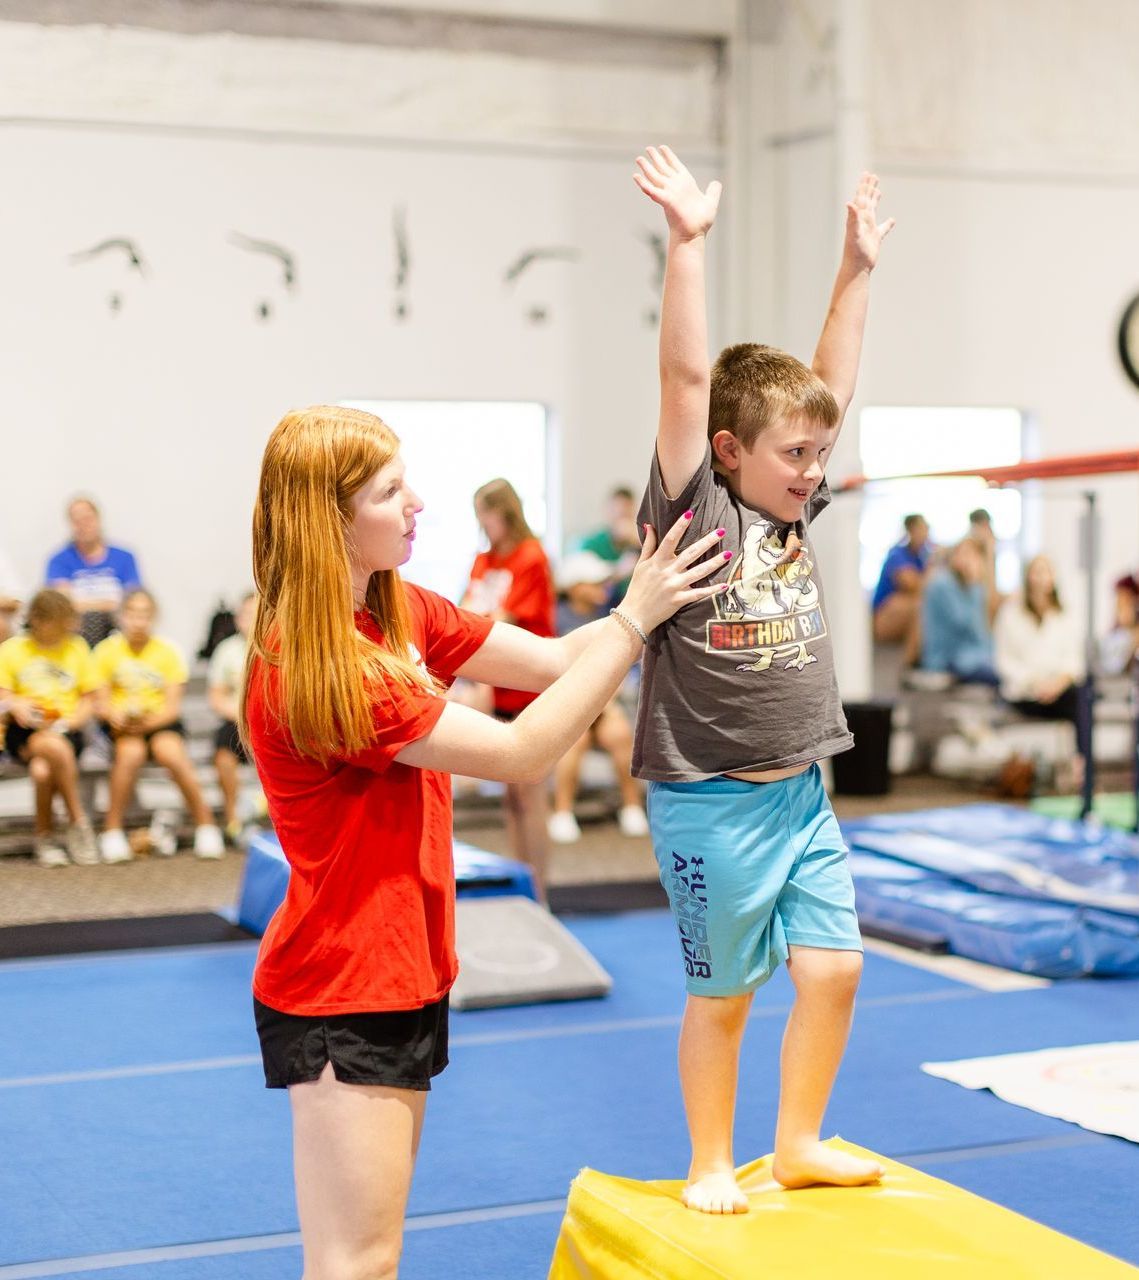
(908, 1227)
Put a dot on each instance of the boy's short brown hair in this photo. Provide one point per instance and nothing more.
(49, 606)
(754, 386)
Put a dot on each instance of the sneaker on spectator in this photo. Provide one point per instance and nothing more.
(233, 832)
(633, 821)
(114, 846)
(49, 852)
(164, 833)
(81, 846)
(208, 841)
(563, 828)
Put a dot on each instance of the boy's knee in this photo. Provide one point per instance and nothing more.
(725, 1010)
(831, 973)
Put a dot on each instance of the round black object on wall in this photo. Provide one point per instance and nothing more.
(1129, 340)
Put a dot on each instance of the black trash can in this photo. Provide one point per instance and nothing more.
(864, 770)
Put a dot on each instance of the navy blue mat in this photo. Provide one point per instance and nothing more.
(125, 1008)
(189, 1146)
(509, 1248)
(610, 1100)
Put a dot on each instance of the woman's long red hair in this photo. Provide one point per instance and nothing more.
(316, 460)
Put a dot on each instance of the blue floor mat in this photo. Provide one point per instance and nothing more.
(1003, 885)
(516, 1248)
(117, 1011)
(87, 1013)
(98, 1166)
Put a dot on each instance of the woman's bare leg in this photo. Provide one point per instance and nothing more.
(354, 1149)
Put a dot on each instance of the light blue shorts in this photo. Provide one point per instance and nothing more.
(751, 868)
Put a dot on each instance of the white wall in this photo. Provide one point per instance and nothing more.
(1003, 133)
(162, 409)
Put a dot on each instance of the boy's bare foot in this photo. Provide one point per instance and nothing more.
(815, 1162)
(716, 1192)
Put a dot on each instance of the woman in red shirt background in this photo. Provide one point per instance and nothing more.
(512, 582)
(343, 714)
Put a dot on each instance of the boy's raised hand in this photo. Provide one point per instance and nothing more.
(689, 211)
(864, 233)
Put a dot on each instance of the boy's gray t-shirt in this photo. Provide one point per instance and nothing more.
(744, 680)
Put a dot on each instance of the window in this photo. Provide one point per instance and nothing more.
(451, 447)
(899, 441)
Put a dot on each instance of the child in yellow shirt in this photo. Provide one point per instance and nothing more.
(46, 682)
(143, 678)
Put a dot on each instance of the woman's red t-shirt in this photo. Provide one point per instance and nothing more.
(519, 584)
(368, 922)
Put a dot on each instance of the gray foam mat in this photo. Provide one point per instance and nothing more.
(512, 951)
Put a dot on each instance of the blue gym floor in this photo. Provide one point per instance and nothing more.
(137, 1140)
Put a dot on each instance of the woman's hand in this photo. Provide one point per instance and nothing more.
(665, 579)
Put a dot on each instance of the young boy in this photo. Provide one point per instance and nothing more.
(739, 700)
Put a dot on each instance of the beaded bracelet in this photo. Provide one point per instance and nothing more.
(630, 625)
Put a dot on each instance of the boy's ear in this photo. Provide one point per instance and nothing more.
(726, 450)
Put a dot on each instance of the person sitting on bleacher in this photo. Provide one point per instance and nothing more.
(224, 681)
(10, 597)
(46, 681)
(896, 605)
(1121, 643)
(143, 678)
(582, 582)
(1039, 655)
(94, 574)
(956, 638)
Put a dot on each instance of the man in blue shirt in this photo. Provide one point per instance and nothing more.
(897, 597)
(95, 576)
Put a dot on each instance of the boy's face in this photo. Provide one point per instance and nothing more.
(783, 467)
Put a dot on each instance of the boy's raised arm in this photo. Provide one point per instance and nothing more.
(840, 344)
(684, 367)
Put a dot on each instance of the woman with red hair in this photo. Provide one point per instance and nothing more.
(343, 712)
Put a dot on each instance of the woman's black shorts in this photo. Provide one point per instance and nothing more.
(401, 1049)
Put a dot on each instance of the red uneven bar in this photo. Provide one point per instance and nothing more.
(1082, 464)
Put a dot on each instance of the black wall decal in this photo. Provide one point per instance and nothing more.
(288, 264)
(119, 245)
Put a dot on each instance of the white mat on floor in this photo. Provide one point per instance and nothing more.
(1093, 1085)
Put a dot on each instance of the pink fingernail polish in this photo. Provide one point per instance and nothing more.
(727, 555)
(720, 532)
(688, 515)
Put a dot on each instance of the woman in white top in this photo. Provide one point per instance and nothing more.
(1040, 652)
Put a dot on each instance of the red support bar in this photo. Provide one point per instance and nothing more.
(1084, 464)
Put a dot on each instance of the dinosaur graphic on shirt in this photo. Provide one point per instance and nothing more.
(772, 606)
